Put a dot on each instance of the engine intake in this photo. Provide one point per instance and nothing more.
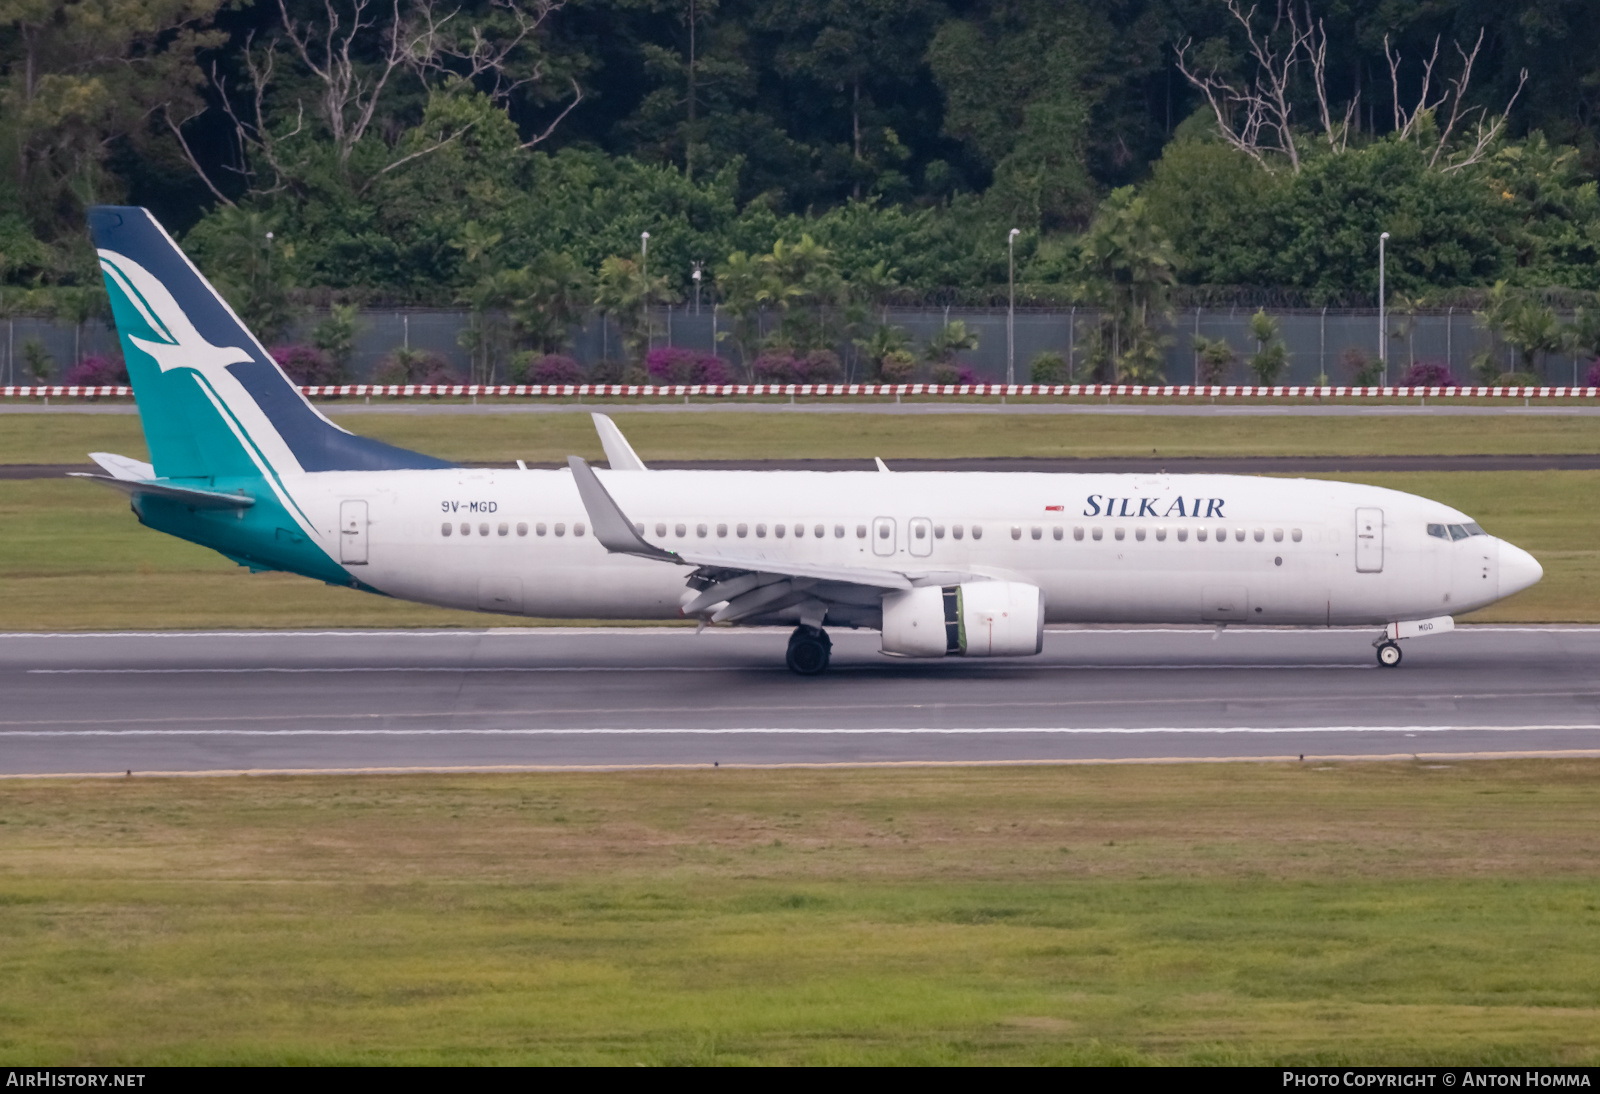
(973, 619)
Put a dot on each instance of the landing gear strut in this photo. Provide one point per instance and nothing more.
(1388, 654)
(809, 651)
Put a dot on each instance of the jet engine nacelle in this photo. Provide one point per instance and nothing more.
(973, 619)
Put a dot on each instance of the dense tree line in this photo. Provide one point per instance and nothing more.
(509, 154)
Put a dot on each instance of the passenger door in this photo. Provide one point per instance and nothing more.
(1369, 541)
(353, 533)
(883, 536)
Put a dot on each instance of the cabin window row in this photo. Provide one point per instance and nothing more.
(504, 528)
(799, 530)
(1201, 534)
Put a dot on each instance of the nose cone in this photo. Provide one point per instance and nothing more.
(1518, 569)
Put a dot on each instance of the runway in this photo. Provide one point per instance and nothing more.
(560, 697)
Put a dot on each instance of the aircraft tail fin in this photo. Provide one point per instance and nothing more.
(212, 400)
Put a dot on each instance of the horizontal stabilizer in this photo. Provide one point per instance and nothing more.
(123, 467)
(184, 495)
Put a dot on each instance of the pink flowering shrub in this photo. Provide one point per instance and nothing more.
(1428, 374)
(305, 364)
(97, 371)
(677, 365)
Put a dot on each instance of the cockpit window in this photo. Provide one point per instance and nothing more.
(1438, 531)
(1458, 532)
(1474, 530)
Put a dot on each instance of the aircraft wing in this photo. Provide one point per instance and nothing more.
(748, 585)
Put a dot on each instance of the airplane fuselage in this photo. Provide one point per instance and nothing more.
(1103, 548)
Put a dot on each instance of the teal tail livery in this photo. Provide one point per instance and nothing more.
(940, 563)
(231, 439)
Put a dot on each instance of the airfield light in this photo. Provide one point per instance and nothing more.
(696, 276)
(1383, 322)
(644, 274)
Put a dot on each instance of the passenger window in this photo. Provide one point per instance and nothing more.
(1261, 535)
(1077, 533)
(539, 529)
(1457, 532)
(955, 530)
(445, 529)
(1222, 535)
(1199, 535)
(700, 530)
(938, 531)
(504, 529)
(1277, 535)
(722, 531)
(1016, 531)
(466, 529)
(977, 531)
(799, 531)
(861, 531)
(743, 530)
(1036, 532)
(1161, 534)
(920, 531)
(680, 531)
(1096, 534)
(1058, 532)
(1238, 534)
(838, 531)
(1183, 535)
(522, 528)
(661, 530)
(577, 529)
(561, 529)
(1119, 534)
(761, 531)
(777, 530)
(1138, 534)
(639, 528)
(1295, 535)
(820, 531)
(1437, 531)
(883, 530)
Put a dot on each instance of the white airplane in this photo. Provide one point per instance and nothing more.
(942, 564)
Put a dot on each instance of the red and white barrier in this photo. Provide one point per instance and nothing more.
(676, 391)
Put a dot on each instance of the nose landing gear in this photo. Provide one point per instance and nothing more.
(809, 651)
(1388, 654)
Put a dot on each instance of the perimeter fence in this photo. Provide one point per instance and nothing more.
(1317, 341)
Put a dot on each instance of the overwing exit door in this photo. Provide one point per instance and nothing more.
(1369, 541)
(353, 533)
(883, 536)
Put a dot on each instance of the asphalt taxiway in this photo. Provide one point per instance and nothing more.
(563, 697)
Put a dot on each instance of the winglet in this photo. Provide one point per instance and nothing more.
(612, 527)
(619, 453)
(883, 467)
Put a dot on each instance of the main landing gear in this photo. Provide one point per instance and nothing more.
(1388, 654)
(809, 651)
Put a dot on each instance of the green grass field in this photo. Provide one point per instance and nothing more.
(1417, 913)
(550, 438)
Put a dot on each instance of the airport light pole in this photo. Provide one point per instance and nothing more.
(696, 275)
(1011, 305)
(644, 277)
(1383, 319)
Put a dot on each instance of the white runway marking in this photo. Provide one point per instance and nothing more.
(761, 731)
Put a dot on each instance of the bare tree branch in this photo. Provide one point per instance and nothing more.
(188, 154)
(1265, 102)
(577, 97)
(1406, 123)
(1338, 136)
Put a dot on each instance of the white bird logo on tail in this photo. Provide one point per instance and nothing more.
(183, 346)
